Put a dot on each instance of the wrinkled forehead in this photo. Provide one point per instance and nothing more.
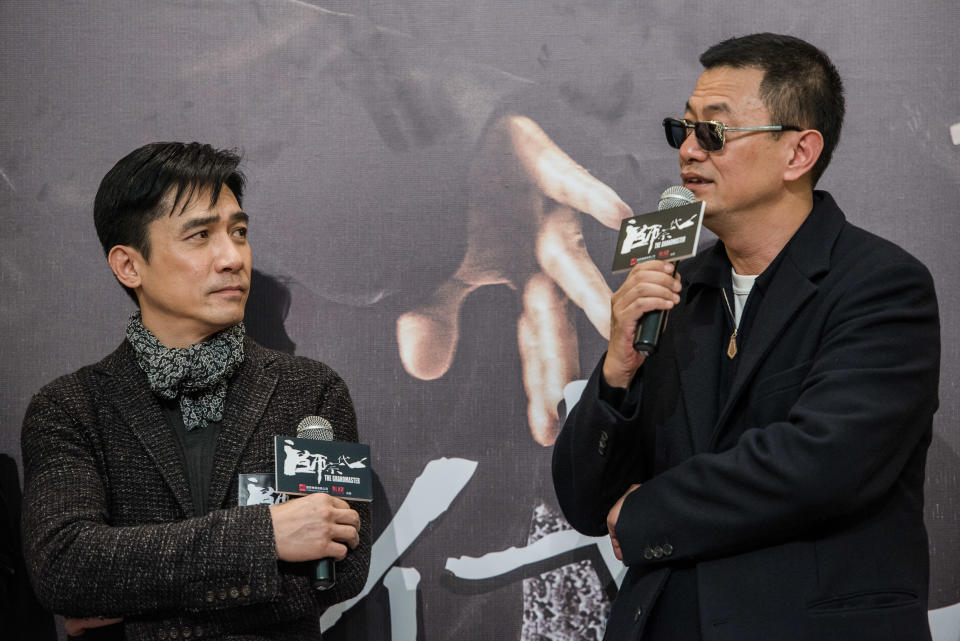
(727, 94)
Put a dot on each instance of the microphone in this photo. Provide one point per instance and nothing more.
(319, 429)
(647, 335)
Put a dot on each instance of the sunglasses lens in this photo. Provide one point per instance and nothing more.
(709, 136)
(676, 132)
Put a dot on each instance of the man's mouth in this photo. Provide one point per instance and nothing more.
(693, 179)
(230, 289)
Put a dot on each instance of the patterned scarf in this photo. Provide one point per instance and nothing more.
(197, 375)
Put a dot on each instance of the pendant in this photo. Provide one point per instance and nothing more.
(732, 347)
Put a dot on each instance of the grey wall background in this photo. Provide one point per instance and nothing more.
(359, 122)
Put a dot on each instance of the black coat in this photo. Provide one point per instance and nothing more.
(798, 498)
(109, 528)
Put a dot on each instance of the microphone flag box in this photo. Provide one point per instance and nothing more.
(670, 234)
(307, 466)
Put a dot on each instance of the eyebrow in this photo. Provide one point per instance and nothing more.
(720, 107)
(237, 216)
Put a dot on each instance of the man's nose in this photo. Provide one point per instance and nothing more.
(229, 253)
(691, 149)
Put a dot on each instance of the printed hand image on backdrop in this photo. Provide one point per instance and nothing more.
(525, 199)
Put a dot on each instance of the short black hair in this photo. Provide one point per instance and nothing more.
(135, 191)
(800, 86)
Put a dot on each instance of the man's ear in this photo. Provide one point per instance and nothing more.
(804, 154)
(125, 262)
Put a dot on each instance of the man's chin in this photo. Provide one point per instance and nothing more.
(226, 316)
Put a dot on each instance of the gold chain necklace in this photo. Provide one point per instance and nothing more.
(732, 345)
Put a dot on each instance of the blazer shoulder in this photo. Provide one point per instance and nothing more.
(289, 366)
(86, 381)
(73, 398)
(862, 252)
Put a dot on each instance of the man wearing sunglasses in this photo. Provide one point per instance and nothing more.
(761, 474)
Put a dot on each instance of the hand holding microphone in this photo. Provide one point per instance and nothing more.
(647, 337)
(316, 526)
(651, 286)
(639, 308)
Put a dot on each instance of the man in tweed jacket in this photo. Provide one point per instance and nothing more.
(130, 510)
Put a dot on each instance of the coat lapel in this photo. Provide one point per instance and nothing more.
(696, 360)
(695, 352)
(247, 396)
(788, 293)
(805, 257)
(128, 390)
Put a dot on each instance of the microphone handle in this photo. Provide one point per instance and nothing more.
(647, 336)
(324, 574)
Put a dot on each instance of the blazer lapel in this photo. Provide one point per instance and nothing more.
(788, 292)
(696, 361)
(127, 388)
(806, 256)
(247, 396)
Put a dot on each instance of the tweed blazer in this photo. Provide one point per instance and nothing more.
(109, 527)
(797, 496)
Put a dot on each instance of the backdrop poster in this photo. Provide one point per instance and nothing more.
(414, 225)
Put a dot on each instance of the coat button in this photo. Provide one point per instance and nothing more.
(198, 631)
(187, 633)
(162, 635)
(234, 593)
(657, 552)
(174, 633)
(210, 596)
(647, 554)
(667, 549)
(221, 594)
(246, 590)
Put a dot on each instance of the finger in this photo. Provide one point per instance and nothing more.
(354, 540)
(615, 543)
(628, 311)
(427, 335)
(562, 179)
(334, 550)
(332, 501)
(631, 301)
(346, 534)
(562, 255)
(76, 627)
(547, 342)
(340, 538)
(654, 271)
(656, 287)
(348, 517)
(646, 284)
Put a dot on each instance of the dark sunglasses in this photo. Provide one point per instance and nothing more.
(711, 134)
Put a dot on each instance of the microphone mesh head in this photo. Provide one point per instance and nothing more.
(315, 428)
(675, 196)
